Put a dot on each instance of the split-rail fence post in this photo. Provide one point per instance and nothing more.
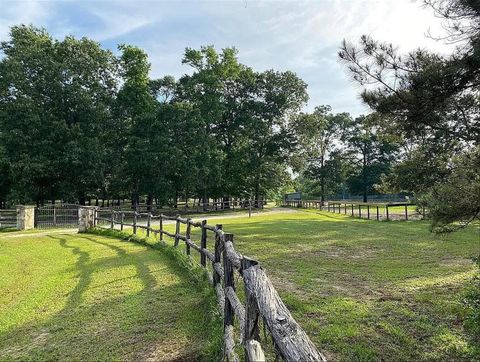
(134, 222)
(217, 256)
(177, 230)
(161, 227)
(203, 244)
(188, 233)
(149, 220)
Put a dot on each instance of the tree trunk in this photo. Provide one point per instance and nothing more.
(226, 202)
(149, 202)
(81, 198)
(257, 194)
(364, 178)
(322, 181)
(205, 200)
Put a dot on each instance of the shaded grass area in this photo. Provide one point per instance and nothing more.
(92, 297)
(363, 289)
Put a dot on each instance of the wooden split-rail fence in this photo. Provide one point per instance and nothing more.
(371, 211)
(262, 302)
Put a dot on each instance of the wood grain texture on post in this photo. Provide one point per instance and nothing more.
(291, 340)
(203, 244)
(177, 230)
(188, 233)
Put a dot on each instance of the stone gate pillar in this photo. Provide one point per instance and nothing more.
(86, 218)
(25, 217)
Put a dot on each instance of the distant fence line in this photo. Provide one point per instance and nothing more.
(194, 207)
(393, 198)
(262, 300)
(368, 210)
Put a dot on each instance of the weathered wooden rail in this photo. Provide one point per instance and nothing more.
(359, 209)
(262, 302)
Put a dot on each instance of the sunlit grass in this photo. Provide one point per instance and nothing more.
(365, 289)
(90, 297)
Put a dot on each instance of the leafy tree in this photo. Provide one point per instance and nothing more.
(429, 99)
(245, 116)
(318, 135)
(456, 197)
(207, 91)
(136, 107)
(5, 179)
(54, 98)
(270, 141)
(337, 170)
(370, 152)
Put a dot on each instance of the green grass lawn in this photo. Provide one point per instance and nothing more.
(88, 297)
(364, 289)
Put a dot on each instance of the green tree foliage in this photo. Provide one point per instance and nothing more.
(318, 136)
(431, 102)
(370, 152)
(70, 132)
(54, 99)
(456, 197)
(245, 116)
(136, 110)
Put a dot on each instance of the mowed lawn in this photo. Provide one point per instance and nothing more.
(87, 297)
(366, 290)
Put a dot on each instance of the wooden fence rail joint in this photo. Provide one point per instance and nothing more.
(262, 300)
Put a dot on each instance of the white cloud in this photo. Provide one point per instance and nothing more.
(300, 36)
(21, 12)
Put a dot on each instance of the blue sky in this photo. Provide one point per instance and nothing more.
(302, 36)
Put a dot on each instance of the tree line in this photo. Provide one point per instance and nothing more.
(78, 122)
(423, 134)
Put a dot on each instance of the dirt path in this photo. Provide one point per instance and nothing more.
(231, 215)
(227, 215)
(46, 232)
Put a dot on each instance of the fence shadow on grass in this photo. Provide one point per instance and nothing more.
(137, 325)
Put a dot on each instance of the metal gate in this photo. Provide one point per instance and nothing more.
(53, 216)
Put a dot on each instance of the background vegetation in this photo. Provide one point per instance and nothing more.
(78, 122)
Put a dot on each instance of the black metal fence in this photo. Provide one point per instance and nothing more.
(53, 216)
(8, 218)
(191, 207)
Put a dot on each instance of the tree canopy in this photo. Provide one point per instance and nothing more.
(78, 122)
(431, 103)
